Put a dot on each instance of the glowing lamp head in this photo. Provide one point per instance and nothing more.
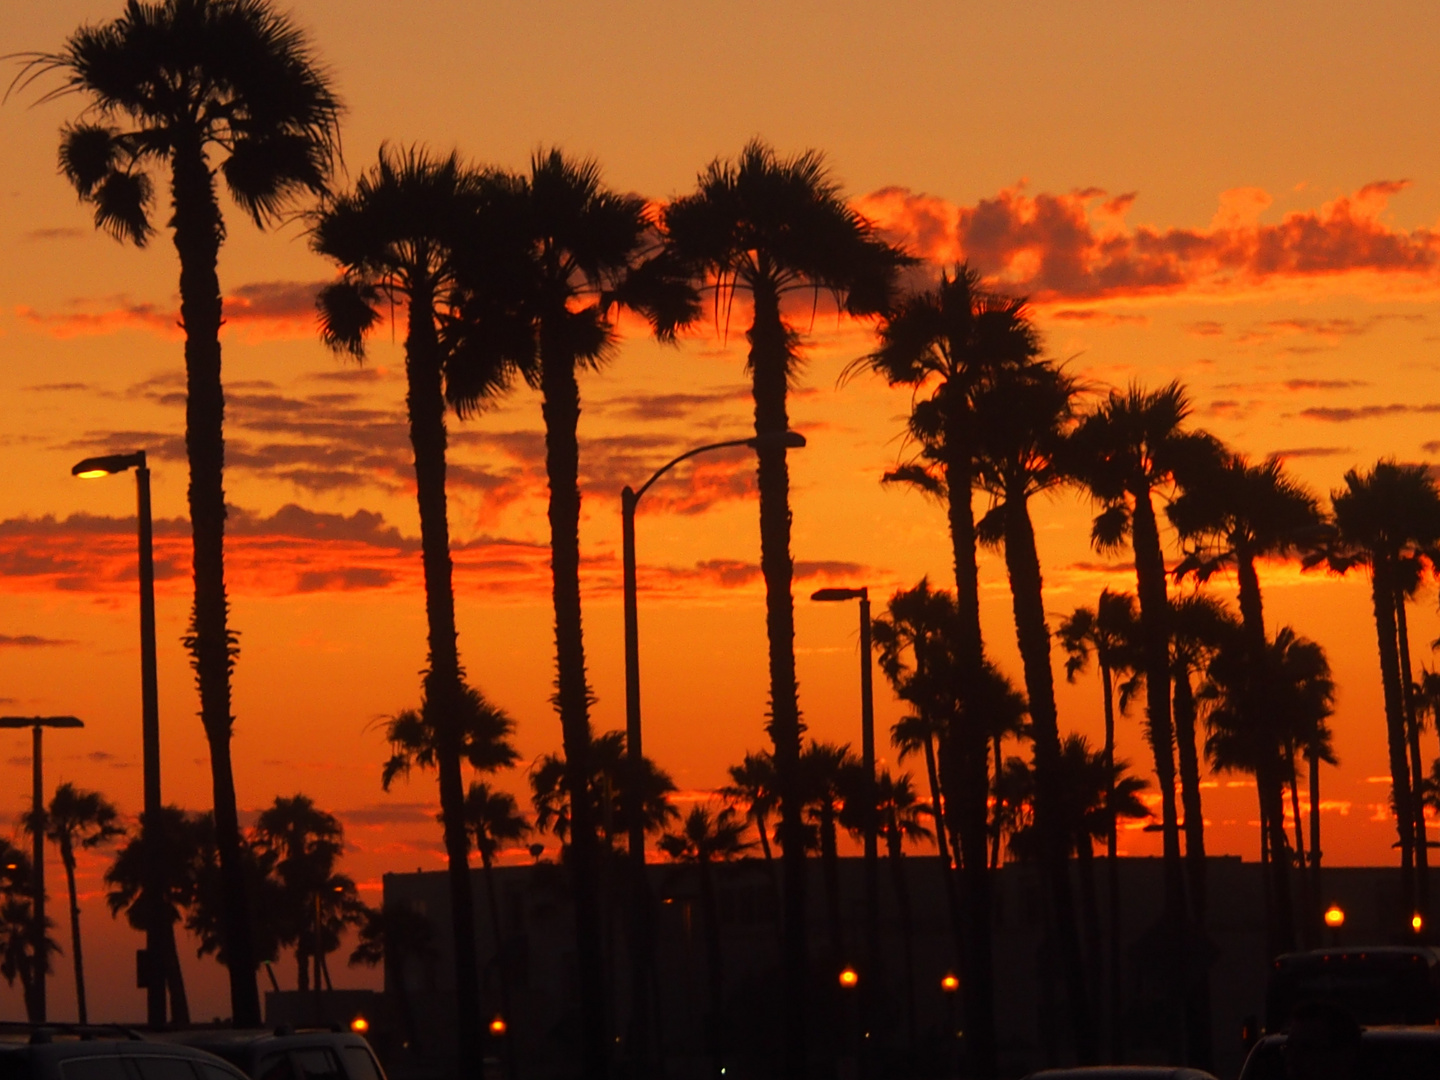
(1417, 923)
(359, 1025)
(849, 979)
(1335, 916)
(92, 474)
(950, 984)
(93, 468)
(497, 1026)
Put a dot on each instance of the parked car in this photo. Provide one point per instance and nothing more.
(1386, 1053)
(286, 1053)
(97, 1052)
(1122, 1072)
(1389, 984)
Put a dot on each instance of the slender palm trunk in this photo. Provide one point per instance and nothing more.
(1197, 998)
(963, 759)
(67, 859)
(175, 978)
(1317, 896)
(198, 232)
(1307, 925)
(1155, 626)
(1269, 775)
(942, 846)
(561, 408)
(1033, 637)
(425, 403)
(714, 972)
(769, 368)
(830, 868)
(995, 748)
(1417, 768)
(1112, 871)
(1382, 595)
(1090, 913)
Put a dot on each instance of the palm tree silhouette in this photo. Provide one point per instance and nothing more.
(1380, 518)
(707, 836)
(774, 227)
(1409, 576)
(17, 924)
(752, 784)
(172, 83)
(79, 819)
(1022, 415)
(494, 818)
(303, 844)
(395, 237)
(393, 935)
(607, 789)
(950, 340)
(823, 768)
(178, 836)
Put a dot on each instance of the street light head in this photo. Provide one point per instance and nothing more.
(791, 440)
(93, 467)
(828, 595)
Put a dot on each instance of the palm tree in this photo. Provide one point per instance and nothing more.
(823, 768)
(1130, 446)
(949, 340)
(302, 843)
(393, 935)
(17, 924)
(494, 818)
(173, 82)
(775, 227)
(708, 836)
(752, 784)
(608, 791)
(395, 237)
(1380, 516)
(1232, 514)
(178, 836)
(79, 819)
(1022, 416)
(1409, 576)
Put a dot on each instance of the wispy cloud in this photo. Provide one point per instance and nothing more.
(31, 641)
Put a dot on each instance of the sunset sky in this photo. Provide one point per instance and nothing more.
(1247, 200)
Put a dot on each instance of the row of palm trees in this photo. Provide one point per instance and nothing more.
(505, 277)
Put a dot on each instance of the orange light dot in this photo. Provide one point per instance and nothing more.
(849, 978)
(1335, 916)
(1416, 922)
(360, 1025)
(497, 1026)
(949, 984)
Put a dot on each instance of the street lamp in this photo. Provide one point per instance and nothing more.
(867, 767)
(151, 966)
(634, 756)
(38, 724)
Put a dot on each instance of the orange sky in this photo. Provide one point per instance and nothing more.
(1247, 200)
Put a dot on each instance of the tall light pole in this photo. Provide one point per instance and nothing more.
(634, 755)
(867, 766)
(38, 724)
(152, 966)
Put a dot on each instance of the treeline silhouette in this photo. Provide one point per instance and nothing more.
(508, 277)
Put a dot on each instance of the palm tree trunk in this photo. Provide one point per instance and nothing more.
(1382, 596)
(964, 753)
(1417, 768)
(1090, 910)
(769, 367)
(444, 692)
(1197, 999)
(175, 979)
(1112, 870)
(942, 846)
(715, 975)
(1155, 625)
(561, 409)
(198, 232)
(1317, 895)
(830, 867)
(67, 859)
(1307, 926)
(1032, 634)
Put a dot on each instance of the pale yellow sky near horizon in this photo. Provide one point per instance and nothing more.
(1314, 334)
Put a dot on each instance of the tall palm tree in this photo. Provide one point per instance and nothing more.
(179, 839)
(1130, 447)
(179, 83)
(78, 819)
(1110, 632)
(949, 340)
(1409, 576)
(774, 227)
(395, 237)
(1380, 516)
(1023, 414)
(1233, 513)
(705, 837)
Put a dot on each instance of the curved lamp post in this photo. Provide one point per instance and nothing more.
(634, 756)
(151, 968)
(38, 724)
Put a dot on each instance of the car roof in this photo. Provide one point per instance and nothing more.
(1122, 1072)
(84, 1046)
(260, 1038)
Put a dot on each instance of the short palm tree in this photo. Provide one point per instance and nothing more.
(949, 340)
(1380, 517)
(303, 844)
(775, 227)
(17, 925)
(607, 789)
(752, 785)
(707, 836)
(823, 769)
(78, 819)
(172, 85)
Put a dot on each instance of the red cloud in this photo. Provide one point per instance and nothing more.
(1078, 247)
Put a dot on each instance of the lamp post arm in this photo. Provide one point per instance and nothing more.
(688, 454)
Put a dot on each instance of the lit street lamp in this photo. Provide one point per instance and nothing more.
(38, 724)
(151, 966)
(867, 767)
(634, 757)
